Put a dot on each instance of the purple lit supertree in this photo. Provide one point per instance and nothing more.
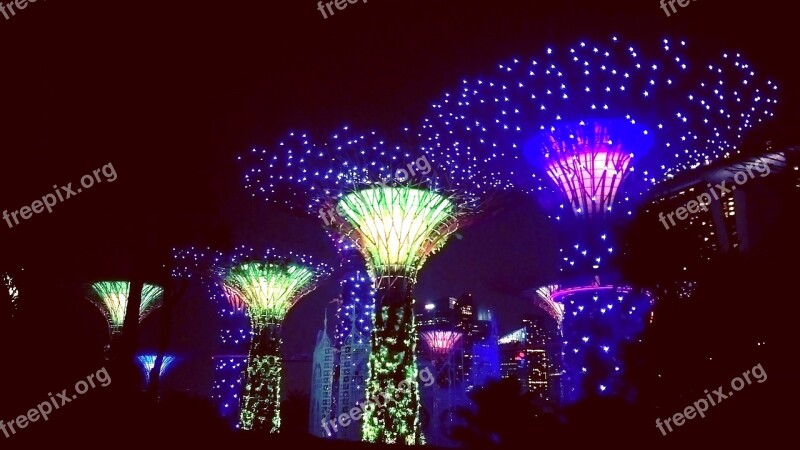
(397, 210)
(591, 128)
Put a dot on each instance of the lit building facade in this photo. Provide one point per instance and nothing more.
(458, 344)
(725, 222)
(350, 348)
(485, 354)
(321, 384)
(532, 355)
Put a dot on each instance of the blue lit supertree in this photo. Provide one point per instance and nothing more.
(148, 362)
(396, 210)
(230, 358)
(590, 129)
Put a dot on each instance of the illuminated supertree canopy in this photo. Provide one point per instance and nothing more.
(149, 361)
(391, 204)
(593, 127)
(440, 343)
(598, 125)
(584, 114)
(111, 297)
(269, 284)
(397, 210)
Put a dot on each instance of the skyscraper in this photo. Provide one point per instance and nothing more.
(321, 383)
(352, 359)
(531, 355)
(458, 344)
(485, 353)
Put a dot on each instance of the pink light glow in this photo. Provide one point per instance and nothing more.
(591, 178)
(588, 165)
(557, 296)
(233, 298)
(440, 343)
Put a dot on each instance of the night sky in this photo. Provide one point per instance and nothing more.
(171, 92)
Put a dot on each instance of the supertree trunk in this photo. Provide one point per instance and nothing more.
(262, 394)
(394, 417)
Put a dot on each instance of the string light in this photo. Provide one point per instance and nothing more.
(594, 127)
(396, 210)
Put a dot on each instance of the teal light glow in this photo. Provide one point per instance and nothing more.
(149, 361)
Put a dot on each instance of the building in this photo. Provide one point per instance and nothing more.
(531, 355)
(321, 383)
(458, 344)
(351, 363)
(736, 198)
(339, 390)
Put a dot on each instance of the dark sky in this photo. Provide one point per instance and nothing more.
(171, 92)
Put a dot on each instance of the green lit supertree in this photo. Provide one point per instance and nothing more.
(396, 210)
(269, 286)
(111, 297)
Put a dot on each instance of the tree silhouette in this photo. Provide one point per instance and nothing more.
(502, 415)
(294, 413)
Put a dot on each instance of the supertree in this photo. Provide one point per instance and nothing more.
(111, 297)
(269, 285)
(575, 122)
(440, 343)
(442, 350)
(397, 211)
(148, 363)
(230, 358)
